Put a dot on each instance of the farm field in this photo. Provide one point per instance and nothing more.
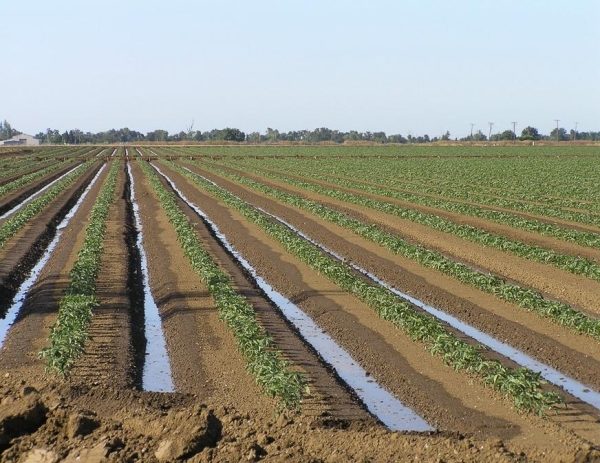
(300, 303)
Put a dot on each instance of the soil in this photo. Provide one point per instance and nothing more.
(542, 218)
(99, 414)
(12, 199)
(99, 423)
(12, 177)
(571, 353)
(204, 356)
(30, 332)
(579, 291)
(20, 253)
(378, 346)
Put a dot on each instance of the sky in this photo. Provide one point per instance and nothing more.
(408, 67)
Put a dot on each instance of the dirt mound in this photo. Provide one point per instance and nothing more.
(98, 423)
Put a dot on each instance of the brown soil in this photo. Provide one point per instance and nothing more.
(19, 253)
(29, 335)
(542, 218)
(528, 237)
(203, 352)
(555, 283)
(380, 348)
(104, 424)
(573, 354)
(109, 355)
(12, 199)
(218, 413)
(13, 177)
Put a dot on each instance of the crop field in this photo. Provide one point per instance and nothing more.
(300, 303)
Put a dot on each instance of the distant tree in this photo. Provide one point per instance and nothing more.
(157, 135)
(562, 134)
(446, 136)
(230, 134)
(379, 137)
(6, 131)
(397, 138)
(272, 135)
(530, 133)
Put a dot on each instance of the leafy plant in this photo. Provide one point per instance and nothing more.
(522, 385)
(70, 332)
(524, 297)
(264, 361)
(17, 221)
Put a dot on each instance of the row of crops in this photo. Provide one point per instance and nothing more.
(493, 284)
(319, 189)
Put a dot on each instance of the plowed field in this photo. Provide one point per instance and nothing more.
(174, 303)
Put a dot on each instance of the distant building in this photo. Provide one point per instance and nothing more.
(22, 139)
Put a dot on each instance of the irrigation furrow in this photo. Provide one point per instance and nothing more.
(571, 263)
(524, 297)
(576, 388)
(21, 296)
(156, 374)
(35, 195)
(383, 405)
(553, 376)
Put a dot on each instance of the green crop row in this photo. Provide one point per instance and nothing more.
(574, 264)
(526, 298)
(265, 362)
(25, 179)
(589, 239)
(16, 222)
(522, 385)
(70, 332)
(429, 182)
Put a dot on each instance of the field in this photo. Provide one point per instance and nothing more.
(300, 303)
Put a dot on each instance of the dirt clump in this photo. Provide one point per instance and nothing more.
(69, 422)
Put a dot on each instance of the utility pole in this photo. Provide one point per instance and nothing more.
(490, 133)
(472, 125)
(575, 133)
(514, 131)
(557, 121)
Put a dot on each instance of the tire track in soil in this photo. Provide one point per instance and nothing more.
(447, 399)
(204, 357)
(576, 290)
(109, 355)
(31, 330)
(22, 251)
(557, 346)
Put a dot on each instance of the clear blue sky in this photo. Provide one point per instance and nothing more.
(419, 66)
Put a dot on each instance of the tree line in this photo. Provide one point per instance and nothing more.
(318, 135)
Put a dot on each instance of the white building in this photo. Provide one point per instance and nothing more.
(22, 139)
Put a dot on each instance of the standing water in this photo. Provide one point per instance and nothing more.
(156, 376)
(19, 299)
(380, 402)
